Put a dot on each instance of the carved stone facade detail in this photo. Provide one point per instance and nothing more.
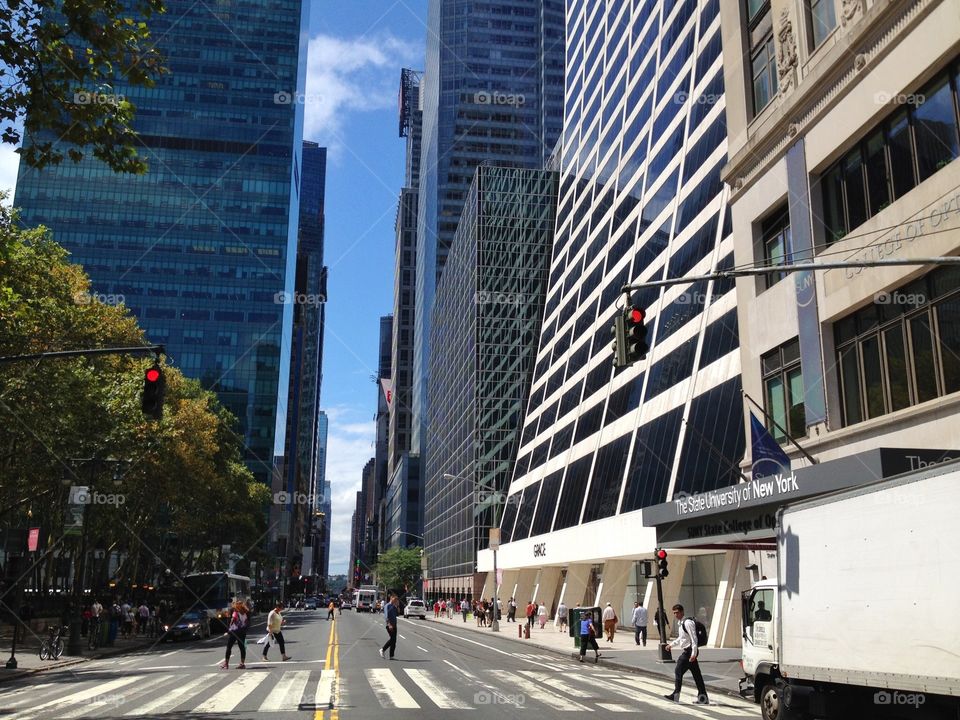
(849, 11)
(786, 51)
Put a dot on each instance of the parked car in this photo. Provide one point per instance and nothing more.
(192, 625)
(415, 608)
(346, 605)
(310, 603)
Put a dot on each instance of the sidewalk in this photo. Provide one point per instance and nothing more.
(720, 667)
(29, 662)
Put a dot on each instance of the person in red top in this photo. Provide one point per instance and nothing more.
(237, 633)
(436, 608)
(531, 613)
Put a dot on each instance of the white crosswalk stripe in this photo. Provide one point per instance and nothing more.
(558, 684)
(286, 692)
(95, 709)
(81, 696)
(440, 696)
(227, 699)
(176, 696)
(527, 688)
(614, 707)
(325, 690)
(390, 693)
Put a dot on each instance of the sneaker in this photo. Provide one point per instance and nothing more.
(264, 658)
(581, 658)
(671, 697)
(241, 666)
(224, 666)
(702, 700)
(285, 658)
(381, 652)
(597, 658)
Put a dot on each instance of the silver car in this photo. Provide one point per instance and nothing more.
(415, 608)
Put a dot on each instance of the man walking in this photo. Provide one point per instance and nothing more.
(390, 615)
(610, 620)
(464, 608)
(640, 623)
(275, 630)
(687, 642)
(512, 610)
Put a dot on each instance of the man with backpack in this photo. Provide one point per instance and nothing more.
(691, 634)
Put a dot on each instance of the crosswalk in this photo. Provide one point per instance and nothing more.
(584, 689)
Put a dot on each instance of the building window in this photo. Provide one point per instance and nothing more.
(822, 17)
(907, 148)
(763, 55)
(902, 350)
(776, 243)
(783, 391)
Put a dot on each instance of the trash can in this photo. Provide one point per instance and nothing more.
(575, 615)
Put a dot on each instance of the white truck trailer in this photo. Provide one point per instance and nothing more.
(863, 619)
(366, 598)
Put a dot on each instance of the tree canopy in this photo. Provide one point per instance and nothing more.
(399, 568)
(59, 60)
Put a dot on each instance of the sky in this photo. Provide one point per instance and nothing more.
(356, 52)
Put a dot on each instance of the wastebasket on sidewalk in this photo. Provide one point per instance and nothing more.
(575, 615)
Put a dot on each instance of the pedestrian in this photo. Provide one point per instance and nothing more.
(562, 616)
(542, 615)
(115, 618)
(237, 633)
(689, 650)
(390, 616)
(512, 611)
(531, 611)
(144, 617)
(450, 608)
(639, 623)
(610, 621)
(330, 608)
(275, 632)
(126, 619)
(85, 621)
(436, 609)
(588, 637)
(443, 607)
(464, 608)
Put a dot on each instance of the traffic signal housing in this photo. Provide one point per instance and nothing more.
(619, 332)
(636, 332)
(662, 564)
(154, 388)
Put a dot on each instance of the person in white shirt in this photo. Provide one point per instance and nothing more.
(610, 620)
(274, 628)
(689, 650)
(562, 616)
(542, 615)
(640, 622)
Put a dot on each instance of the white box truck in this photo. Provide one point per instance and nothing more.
(366, 598)
(863, 619)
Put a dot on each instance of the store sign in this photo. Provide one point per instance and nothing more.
(33, 539)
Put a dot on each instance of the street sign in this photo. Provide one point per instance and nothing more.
(33, 539)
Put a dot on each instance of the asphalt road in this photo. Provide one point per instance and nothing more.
(437, 670)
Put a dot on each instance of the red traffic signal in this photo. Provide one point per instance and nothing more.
(154, 387)
(153, 375)
(661, 554)
(637, 315)
(662, 563)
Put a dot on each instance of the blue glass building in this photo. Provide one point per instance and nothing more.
(203, 247)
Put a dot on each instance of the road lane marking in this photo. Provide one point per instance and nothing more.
(290, 688)
(148, 686)
(169, 700)
(422, 648)
(613, 707)
(533, 690)
(81, 696)
(232, 695)
(488, 647)
(388, 689)
(557, 684)
(325, 688)
(169, 653)
(440, 696)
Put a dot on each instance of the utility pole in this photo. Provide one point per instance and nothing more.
(495, 545)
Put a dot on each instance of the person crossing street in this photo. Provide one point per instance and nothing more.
(275, 629)
(390, 615)
(687, 642)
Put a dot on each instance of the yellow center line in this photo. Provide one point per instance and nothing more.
(332, 662)
(335, 712)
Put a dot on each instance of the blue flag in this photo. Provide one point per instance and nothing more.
(768, 458)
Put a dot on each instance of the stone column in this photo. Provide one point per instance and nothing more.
(578, 576)
(526, 582)
(726, 625)
(547, 588)
(616, 575)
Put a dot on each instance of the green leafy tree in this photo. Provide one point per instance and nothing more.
(58, 62)
(399, 568)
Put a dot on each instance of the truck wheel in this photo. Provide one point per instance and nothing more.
(770, 702)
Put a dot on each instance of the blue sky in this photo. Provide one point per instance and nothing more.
(356, 52)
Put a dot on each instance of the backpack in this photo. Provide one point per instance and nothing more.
(700, 630)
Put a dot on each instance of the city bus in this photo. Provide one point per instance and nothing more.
(214, 593)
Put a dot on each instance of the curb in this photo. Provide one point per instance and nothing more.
(614, 665)
(60, 664)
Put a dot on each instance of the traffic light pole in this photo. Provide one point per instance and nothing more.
(665, 654)
(157, 350)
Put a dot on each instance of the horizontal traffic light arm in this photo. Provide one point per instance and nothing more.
(795, 267)
(156, 350)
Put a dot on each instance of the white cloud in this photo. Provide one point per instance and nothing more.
(349, 447)
(9, 162)
(346, 75)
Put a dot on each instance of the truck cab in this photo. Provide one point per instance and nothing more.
(759, 655)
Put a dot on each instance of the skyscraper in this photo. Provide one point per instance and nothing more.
(203, 247)
(492, 91)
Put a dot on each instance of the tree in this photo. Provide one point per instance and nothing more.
(58, 62)
(399, 568)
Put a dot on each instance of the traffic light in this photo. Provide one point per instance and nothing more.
(154, 386)
(636, 334)
(662, 563)
(619, 332)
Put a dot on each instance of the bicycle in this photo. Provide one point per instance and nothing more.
(93, 636)
(52, 647)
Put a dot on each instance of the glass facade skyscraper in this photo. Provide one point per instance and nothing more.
(203, 247)
(486, 324)
(492, 91)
